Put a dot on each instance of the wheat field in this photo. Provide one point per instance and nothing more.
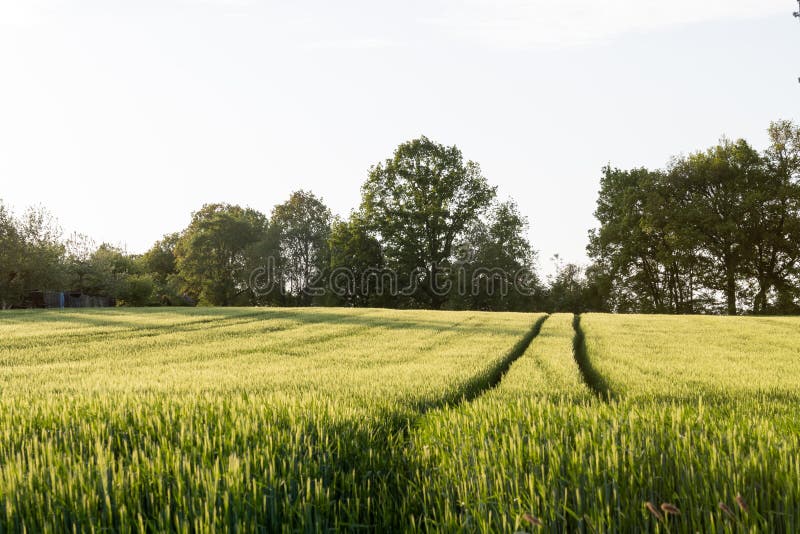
(309, 420)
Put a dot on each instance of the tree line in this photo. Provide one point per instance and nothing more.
(717, 231)
(427, 219)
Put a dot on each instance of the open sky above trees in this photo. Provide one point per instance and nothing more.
(124, 118)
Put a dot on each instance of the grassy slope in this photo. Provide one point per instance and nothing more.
(204, 419)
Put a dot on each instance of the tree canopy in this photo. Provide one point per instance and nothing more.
(419, 203)
(714, 231)
(717, 231)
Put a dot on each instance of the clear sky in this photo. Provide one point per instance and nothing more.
(124, 117)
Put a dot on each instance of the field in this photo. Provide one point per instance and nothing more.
(202, 420)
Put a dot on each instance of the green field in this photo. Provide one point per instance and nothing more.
(201, 420)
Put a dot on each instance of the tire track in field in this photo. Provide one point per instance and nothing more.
(591, 377)
(394, 474)
(484, 382)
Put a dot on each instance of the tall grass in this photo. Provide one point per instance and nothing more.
(374, 420)
(691, 356)
(203, 420)
(541, 453)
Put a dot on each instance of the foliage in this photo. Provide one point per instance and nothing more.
(31, 254)
(419, 203)
(303, 224)
(355, 254)
(718, 184)
(568, 288)
(10, 259)
(718, 225)
(417, 209)
(138, 290)
(494, 263)
(210, 255)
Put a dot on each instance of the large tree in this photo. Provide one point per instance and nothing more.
(717, 185)
(160, 264)
(43, 266)
(773, 220)
(419, 202)
(496, 267)
(724, 222)
(211, 255)
(160, 260)
(31, 255)
(356, 264)
(648, 263)
(303, 224)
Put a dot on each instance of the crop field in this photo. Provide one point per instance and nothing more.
(204, 420)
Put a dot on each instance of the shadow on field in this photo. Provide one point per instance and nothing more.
(591, 377)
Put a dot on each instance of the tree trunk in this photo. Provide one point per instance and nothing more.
(730, 293)
(432, 289)
(760, 301)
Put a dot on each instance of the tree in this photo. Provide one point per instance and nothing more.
(10, 259)
(43, 265)
(79, 250)
(108, 270)
(718, 183)
(419, 203)
(567, 288)
(103, 271)
(160, 264)
(304, 224)
(211, 253)
(137, 290)
(160, 260)
(496, 271)
(721, 222)
(355, 255)
(773, 218)
(647, 263)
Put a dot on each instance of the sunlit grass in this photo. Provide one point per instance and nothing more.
(541, 452)
(683, 356)
(210, 419)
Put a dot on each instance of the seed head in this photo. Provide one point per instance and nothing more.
(668, 508)
(532, 520)
(726, 510)
(741, 502)
(653, 510)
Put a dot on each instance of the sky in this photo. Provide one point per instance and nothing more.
(122, 118)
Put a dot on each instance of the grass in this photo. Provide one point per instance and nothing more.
(589, 427)
(688, 357)
(204, 420)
